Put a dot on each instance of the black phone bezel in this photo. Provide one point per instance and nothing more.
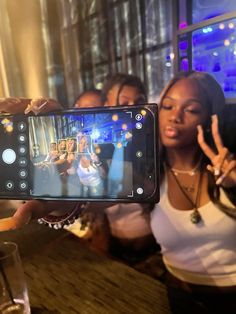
(150, 179)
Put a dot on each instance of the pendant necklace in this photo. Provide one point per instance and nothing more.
(195, 216)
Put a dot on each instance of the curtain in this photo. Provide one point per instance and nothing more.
(59, 48)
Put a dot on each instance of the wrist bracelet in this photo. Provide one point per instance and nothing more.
(58, 222)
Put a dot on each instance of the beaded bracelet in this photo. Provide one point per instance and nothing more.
(58, 222)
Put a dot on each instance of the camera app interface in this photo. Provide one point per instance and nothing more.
(14, 165)
(84, 155)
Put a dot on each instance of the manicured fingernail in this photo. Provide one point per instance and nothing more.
(209, 168)
(220, 179)
(199, 128)
(43, 104)
(213, 117)
(216, 171)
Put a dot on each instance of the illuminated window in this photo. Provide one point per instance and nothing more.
(206, 41)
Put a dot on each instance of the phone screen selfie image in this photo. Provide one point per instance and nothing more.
(102, 154)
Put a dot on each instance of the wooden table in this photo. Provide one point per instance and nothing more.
(65, 276)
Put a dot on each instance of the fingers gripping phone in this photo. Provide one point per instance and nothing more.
(102, 154)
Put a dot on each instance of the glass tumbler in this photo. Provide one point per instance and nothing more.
(13, 290)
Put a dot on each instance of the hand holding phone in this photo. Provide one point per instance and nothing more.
(17, 105)
(91, 154)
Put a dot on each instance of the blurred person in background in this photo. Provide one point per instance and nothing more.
(130, 238)
(89, 99)
(123, 90)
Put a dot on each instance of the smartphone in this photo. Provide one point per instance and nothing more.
(94, 154)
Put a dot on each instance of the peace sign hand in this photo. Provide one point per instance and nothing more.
(223, 163)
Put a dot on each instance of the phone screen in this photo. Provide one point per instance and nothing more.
(84, 154)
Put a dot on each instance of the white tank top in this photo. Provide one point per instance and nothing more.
(129, 221)
(89, 176)
(203, 253)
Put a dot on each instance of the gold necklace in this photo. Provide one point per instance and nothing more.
(195, 216)
(190, 172)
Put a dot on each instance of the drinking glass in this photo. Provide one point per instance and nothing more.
(13, 290)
